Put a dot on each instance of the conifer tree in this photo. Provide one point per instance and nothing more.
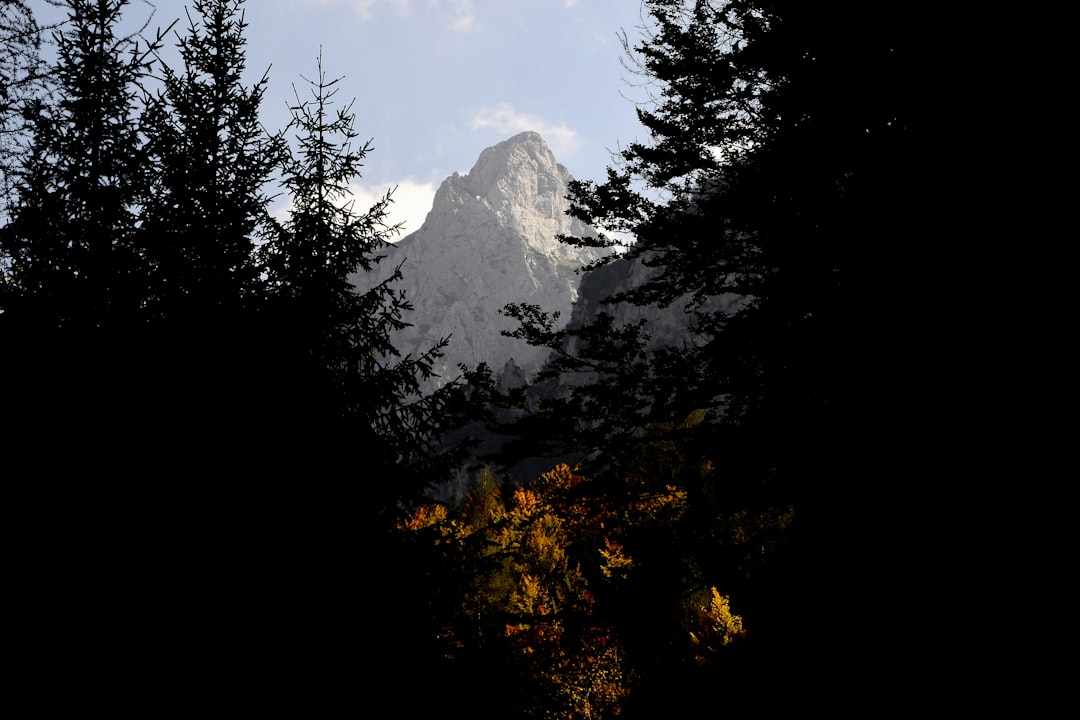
(211, 160)
(779, 132)
(348, 383)
(72, 241)
(23, 78)
(75, 275)
(781, 137)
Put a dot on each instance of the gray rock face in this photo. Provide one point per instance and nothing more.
(489, 240)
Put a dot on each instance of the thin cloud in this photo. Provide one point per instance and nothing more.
(363, 8)
(503, 118)
(462, 12)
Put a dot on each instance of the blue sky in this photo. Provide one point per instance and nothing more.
(437, 81)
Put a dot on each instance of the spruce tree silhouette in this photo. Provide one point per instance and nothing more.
(213, 496)
(349, 421)
(212, 160)
(71, 240)
(203, 211)
(76, 276)
(345, 384)
(23, 79)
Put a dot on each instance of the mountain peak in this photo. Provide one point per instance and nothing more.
(518, 185)
(489, 240)
(528, 136)
(521, 158)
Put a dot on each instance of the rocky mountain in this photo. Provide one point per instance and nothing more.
(489, 240)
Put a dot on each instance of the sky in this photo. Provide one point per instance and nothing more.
(437, 81)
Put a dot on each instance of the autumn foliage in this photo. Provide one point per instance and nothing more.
(551, 579)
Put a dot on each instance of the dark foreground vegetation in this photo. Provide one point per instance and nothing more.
(216, 461)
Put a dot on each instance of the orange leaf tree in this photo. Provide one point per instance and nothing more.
(557, 580)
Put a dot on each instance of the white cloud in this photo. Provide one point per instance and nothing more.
(502, 117)
(411, 203)
(569, 3)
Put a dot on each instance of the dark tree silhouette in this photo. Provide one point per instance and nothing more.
(72, 240)
(778, 135)
(353, 387)
(23, 79)
(203, 208)
(211, 158)
(76, 277)
(204, 444)
(782, 169)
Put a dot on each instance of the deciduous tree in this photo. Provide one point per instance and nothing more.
(586, 590)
